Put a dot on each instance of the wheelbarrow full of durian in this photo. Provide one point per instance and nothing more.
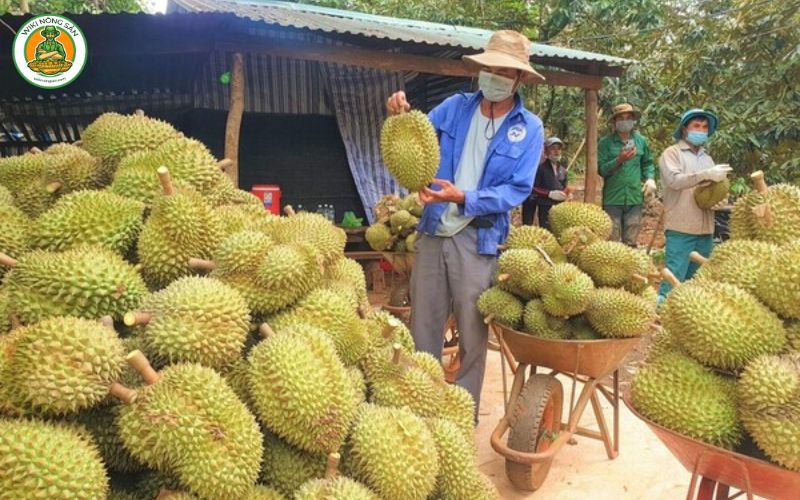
(575, 326)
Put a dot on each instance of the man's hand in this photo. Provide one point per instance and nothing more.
(557, 195)
(397, 103)
(625, 155)
(447, 193)
(649, 187)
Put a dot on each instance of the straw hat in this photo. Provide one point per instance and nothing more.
(625, 108)
(507, 49)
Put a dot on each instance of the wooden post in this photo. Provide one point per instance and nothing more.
(234, 123)
(590, 186)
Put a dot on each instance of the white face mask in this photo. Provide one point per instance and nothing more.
(495, 88)
(555, 158)
(625, 126)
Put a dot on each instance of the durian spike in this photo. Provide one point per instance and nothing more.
(670, 278)
(488, 319)
(134, 318)
(54, 186)
(107, 321)
(201, 264)
(139, 362)
(758, 181)
(391, 327)
(138, 112)
(289, 211)
(697, 258)
(7, 260)
(265, 330)
(122, 393)
(166, 181)
(224, 164)
(332, 468)
(35, 150)
(397, 351)
(503, 277)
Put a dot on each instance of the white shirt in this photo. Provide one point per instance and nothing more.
(470, 168)
(680, 166)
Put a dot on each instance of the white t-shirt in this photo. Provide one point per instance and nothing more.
(470, 168)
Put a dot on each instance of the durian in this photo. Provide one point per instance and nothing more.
(617, 313)
(501, 305)
(578, 214)
(566, 290)
(410, 149)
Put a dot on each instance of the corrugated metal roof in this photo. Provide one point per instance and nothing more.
(329, 20)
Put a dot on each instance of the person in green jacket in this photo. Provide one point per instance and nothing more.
(50, 49)
(626, 165)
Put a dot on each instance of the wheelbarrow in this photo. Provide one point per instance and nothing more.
(719, 470)
(533, 415)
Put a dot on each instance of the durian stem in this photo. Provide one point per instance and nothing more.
(332, 468)
(224, 164)
(362, 312)
(138, 112)
(544, 254)
(697, 258)
(14, 320)
(671, 278)
(54, 186)
(758, 181)
(7, 260)
(77, 143)
(139, 362)
(166, 181)
(656, 327)
(568, 248)
(639, 277)
(122, 393)
(390, 328)
(503, 277)
(502, 247)
(107, 321)
(289, 211)
(35, 150)
(488, 319)
(397, 352)
(201, 264)
(166, 494)
(265, 330)
(133, 318)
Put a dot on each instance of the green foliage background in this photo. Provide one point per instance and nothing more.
(739, 58)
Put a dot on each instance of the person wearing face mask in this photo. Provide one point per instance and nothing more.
(550, 185)
(683, 166)
(490, 146)
(626, 165)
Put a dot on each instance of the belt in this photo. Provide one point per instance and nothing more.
(481, 223)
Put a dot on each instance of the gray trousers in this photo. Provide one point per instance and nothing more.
(450, 270)
(627, 219)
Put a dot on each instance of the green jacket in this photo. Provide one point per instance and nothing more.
(623, 186)
(48, 46)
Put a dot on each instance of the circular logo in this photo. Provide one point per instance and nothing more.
(516, 133)
(49, 51)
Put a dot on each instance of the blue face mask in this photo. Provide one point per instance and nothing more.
(696, 138)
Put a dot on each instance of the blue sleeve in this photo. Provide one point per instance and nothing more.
(504, 197)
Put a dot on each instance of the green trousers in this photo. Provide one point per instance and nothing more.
(676, 258)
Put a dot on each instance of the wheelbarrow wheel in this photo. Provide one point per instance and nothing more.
(535, 423)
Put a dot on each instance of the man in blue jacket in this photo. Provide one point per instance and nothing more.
(490, 147)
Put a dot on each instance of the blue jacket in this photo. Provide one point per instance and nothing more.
(511, 162)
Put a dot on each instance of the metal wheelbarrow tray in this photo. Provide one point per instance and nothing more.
(719, 469)
(533, 410)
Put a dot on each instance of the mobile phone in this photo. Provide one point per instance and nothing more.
(628, 145)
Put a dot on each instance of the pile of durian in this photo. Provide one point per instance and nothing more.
(727, 363)
(161, 334)
(571, 284)
(395, 227)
